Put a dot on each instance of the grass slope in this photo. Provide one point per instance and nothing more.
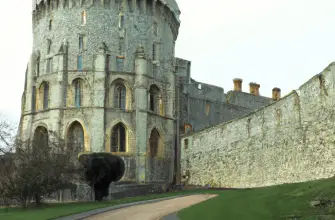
(268, 203)
(49, 211)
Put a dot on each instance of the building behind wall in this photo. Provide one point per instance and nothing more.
(104, 74)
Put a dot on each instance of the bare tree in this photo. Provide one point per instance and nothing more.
(35, 167)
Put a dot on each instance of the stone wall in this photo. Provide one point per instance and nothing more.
(291, 140)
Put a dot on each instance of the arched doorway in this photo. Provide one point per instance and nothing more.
(155, 153)
(41, 137)
(154, 142)
(75, 136)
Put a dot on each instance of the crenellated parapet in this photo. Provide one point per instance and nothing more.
(170, 13)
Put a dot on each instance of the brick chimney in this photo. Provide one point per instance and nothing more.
(237, 85)
(276, 94)
(254, 88)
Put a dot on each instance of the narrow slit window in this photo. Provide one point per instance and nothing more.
(33, 100)
(49, 65)
(83, 17)
(130, 2)
(38, 68)
(49, 46)
(80, 63)
(108, 58)
(121, 21)
(186, 143)
(154, 52)
(82, 43)
(46, 96)
(78, 93)
(50, 25)
(155, 28)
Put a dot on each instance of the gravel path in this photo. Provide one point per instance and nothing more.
(153, 211)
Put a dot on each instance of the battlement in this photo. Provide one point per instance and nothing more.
(169, 10)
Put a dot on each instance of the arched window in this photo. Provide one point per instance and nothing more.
(120, 96)
(75, 136)
(33, 100)
(78, 94)
(83, 17)
(41, 137)
(44, 92)
(118, 138)
(155, 143)
(77, 89)
(154, 97)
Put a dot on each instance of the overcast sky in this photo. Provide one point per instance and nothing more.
(276, 43)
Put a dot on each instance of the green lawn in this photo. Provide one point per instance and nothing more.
(269, 203)
(59, 210)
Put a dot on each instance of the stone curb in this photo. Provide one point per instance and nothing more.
(90, 213)
(172, 216)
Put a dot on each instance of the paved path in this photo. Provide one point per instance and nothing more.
(153, 211)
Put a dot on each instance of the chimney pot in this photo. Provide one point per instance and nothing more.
(276, 94)
(237, 84)
(254, 88)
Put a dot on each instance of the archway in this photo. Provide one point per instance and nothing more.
(155, 155)
(154, 141)
(75, 136)
(41, 137)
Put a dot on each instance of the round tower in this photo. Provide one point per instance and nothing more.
(101, 74)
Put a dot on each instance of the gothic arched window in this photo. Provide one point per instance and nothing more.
(75, 136)
(78, 92)
(120, 96)
(118, 138)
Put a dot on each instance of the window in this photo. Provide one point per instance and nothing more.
(49, 46)
(186, 143)
(118, 138)
(83, 17)
(80, 63)
(45, 96)
(49, 65)
(120, 97)
(153, 98)
(154, 52)
(155, 28)
(119, 64)
(108, 58)
(199, 86)
(78, 93)
(38, 67)
(121, 21)
(76, 136)
(82, 43)
(130, 2)
(50, 25)
(33, 100)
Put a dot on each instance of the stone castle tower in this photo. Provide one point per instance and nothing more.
(101, 74)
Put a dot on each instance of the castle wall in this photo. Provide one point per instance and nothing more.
(291, 140)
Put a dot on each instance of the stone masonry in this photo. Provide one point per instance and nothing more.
(103, 73)
(291, 140)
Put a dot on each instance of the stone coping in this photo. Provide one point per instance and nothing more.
(90, 213)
